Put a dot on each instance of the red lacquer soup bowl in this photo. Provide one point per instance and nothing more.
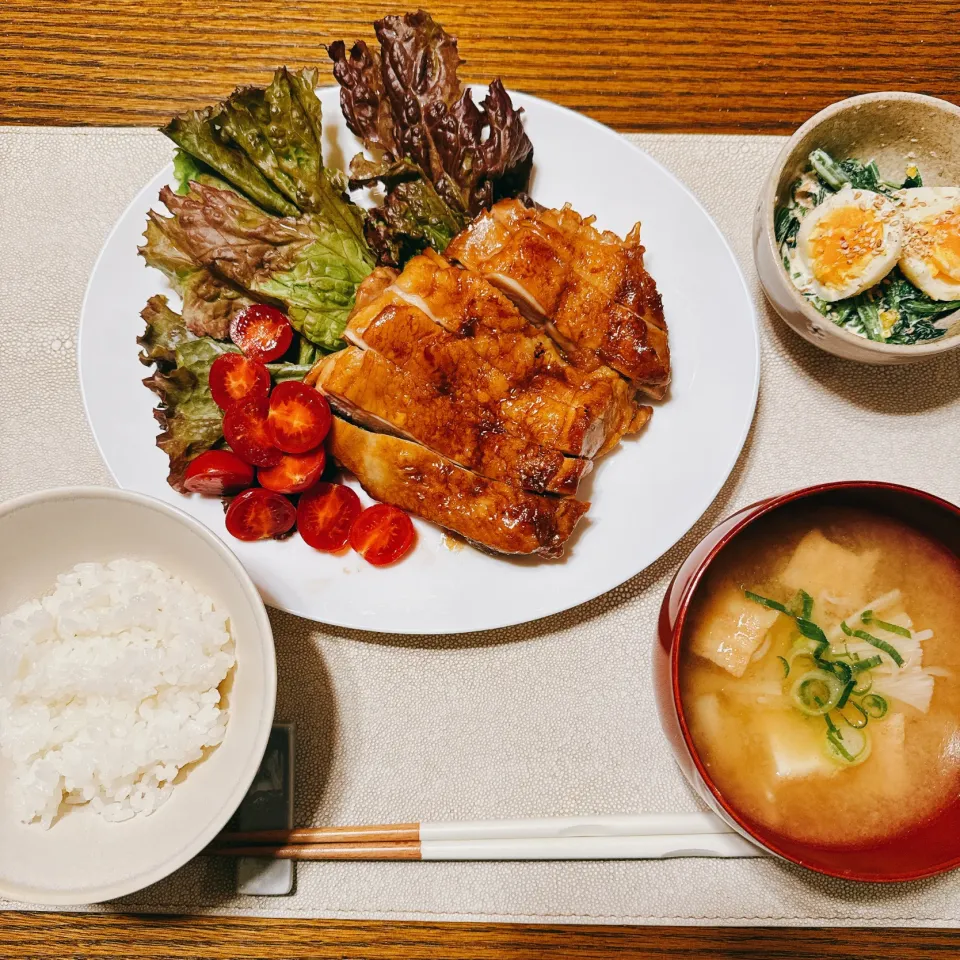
(927, 848)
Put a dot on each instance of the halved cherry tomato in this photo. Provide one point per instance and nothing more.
(260, 514)
(382, 534)
(295, 473)
(325, 515)
(234, 377)
(262, 332)
(245, 427)
(218, 473)
(299, 417)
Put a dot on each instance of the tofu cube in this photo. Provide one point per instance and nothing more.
(797, 747)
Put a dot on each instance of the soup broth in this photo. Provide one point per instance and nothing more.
(820, 675)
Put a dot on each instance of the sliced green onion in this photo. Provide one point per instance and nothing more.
(801, 661)
(851, 746)
(845, 696)
(786, 667)
(868, 664)
(890, 650)
(802, 605)
(864, 686)
(817, 692)
(839, 749)
(767, 602)
(874, 705)
(868, 617)
(812, 632)
(854, 715)
(840, 669)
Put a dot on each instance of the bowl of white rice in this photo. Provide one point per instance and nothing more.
(137, 692)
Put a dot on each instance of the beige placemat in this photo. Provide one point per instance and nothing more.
(555, 717)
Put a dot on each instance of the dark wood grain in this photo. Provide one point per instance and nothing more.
(165, 938)
(725, 65)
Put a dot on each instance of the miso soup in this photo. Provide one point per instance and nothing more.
(820, 675)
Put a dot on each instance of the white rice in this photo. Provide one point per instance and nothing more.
(108, 687)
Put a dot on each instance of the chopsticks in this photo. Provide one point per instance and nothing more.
(627, 837)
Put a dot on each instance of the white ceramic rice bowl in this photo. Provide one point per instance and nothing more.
(83, 858)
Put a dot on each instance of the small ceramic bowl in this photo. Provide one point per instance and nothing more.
(931, 847)
(895, 129)
(82, 858)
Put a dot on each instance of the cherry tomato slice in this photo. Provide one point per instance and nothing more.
(262, 332)
(382, 534)
(246, 430)
(325, 515)
(218, 473)
(259, 515)
(295, 473)
(234, 377)
(299, 417)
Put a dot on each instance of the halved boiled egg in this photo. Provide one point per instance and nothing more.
(847, 244)
(931, 248)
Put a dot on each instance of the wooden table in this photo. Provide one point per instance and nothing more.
(723, 66)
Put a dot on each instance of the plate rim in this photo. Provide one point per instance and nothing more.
(511, 620)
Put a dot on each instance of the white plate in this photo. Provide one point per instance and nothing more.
(645, 495)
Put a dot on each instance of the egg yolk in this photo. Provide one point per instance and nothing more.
(843, 243)
(941, 240)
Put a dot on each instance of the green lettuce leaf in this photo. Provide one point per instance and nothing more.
(268, 143)
(280, 128)
(198, 134)
(209, 303)
(190, 420)
(165, 331)
(311, 265)
(187, 169)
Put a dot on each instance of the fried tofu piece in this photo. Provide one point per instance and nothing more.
(730, 630)
(820, 566)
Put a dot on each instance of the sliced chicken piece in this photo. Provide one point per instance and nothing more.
(481, 345)
(525, 259)
(372, 286)
(619, 338)
(612, 265)
(589, 289)
(487, 512)
(541, 408)
(372, 390)
(465, 303)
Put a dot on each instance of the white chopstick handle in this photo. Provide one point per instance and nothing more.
(636, 825)
(592, 848)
